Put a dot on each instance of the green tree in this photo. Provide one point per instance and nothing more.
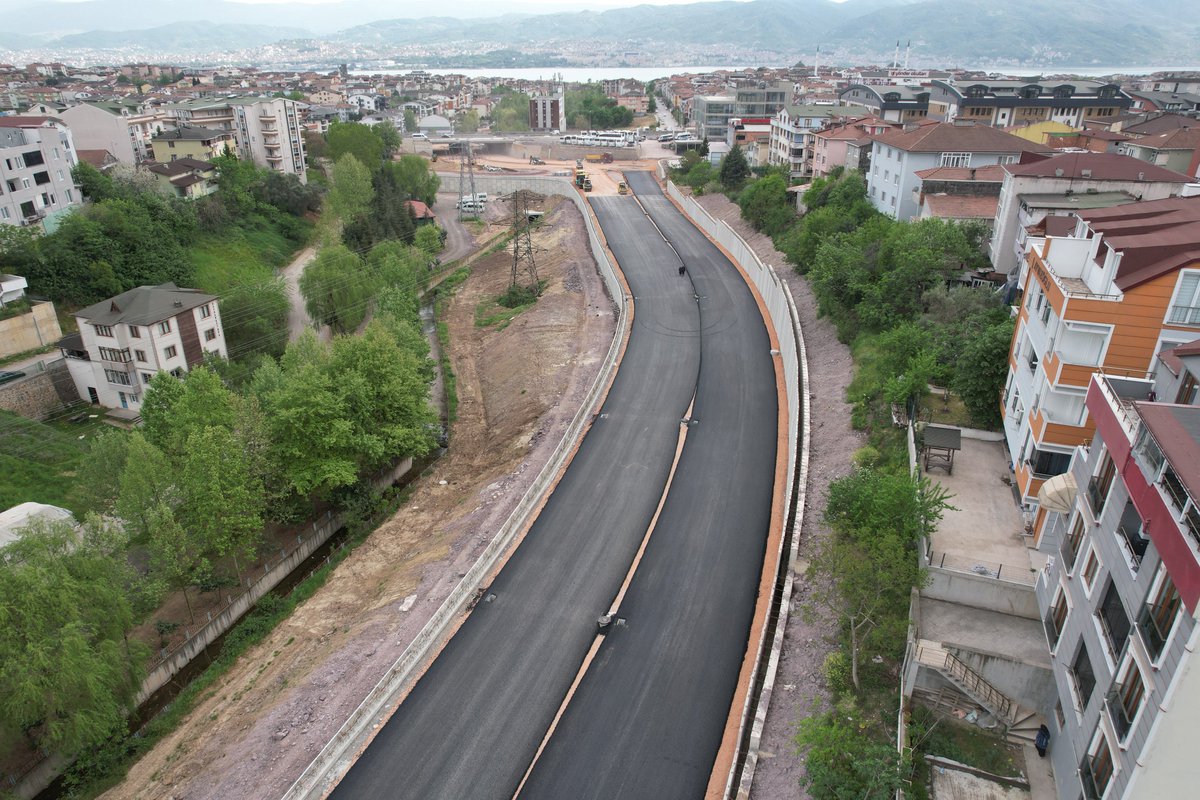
(223, 499)
(388, 136)
(68, 674)
(336, 288)
(766, 205)
(202, 401)
(428, 239)
(175, 557)
(352, 192)
(651, 105)
(843, 761)
(315, 146)
(98, 476)
(255, 318)
(94, 184)
(734, 169)
(982, 369)
(356, 139)
(410, 121)
(147, 480)
(469, 122)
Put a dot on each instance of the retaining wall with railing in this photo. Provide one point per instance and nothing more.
(785, 321)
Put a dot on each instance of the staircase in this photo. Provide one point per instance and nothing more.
(1020, 723)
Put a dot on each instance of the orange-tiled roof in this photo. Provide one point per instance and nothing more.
(955, 206)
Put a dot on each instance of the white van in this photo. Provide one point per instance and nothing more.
(478, 197)
(419, 135)
(469, 205)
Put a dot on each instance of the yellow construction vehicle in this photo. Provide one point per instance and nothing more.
(622, 188)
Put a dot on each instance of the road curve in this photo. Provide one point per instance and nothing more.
(647, 719)
(473, 722)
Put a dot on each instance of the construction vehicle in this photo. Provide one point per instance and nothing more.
(599, 158)
(580, 178)
(535, 160)
(622, 188)
(587, 184)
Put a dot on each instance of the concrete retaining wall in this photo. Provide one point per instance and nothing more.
(337, 755)
(979, 591)
(36, 328)
(1032, 687)
(785, 321)
(41, 396)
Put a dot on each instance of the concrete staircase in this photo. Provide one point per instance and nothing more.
(1021, 724)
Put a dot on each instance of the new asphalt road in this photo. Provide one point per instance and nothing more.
(648, 714)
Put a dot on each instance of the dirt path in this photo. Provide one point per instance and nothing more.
(800, 684)
(298, 318)
(460, 241)
(519, 384)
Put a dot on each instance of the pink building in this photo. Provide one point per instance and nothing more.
(845, 144)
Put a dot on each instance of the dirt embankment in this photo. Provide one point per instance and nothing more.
(520, 381)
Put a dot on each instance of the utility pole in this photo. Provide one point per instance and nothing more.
(466, 178)
(523, 263)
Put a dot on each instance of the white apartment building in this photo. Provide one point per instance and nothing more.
(125, 340)
(792, 131)
(266, 129)
(36, 158)
(122, 127)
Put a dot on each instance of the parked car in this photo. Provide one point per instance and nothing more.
(7, 377)
(419, 135)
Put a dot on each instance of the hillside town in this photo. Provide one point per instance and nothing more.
(276, 286)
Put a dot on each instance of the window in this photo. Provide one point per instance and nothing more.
(5, 213)
(164, 326)
(1188, 389)
(41, 178)
(1158, 615)
(1056, 619)
(113, 354)
(1096, 771)
(210, 334)
(1114, 622)
(146, 378)
(103, 330)
(1185, 306)
(956, 160)
(1125, 699)
(205, 311)
(1101, 484)
(170, 352)
(117, 377)
(135, 331)
(140, 355)
(1082, 677)
(1047, 463)
(1073, 543)
(1090, 567)
(1131, 535)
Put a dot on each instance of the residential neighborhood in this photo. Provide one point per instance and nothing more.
(826, 430)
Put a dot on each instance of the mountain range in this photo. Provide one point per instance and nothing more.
(946, 32)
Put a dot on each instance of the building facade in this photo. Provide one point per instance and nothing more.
(1122, 287)
(547, 111)
(124, 128)
(123, 342)
(792, 131)
(202, 144)
(902, 104)
(36, 158)
(265, 129)
(1119, 596)
(1004, 103)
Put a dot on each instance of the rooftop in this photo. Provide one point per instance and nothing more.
(1154, 237)
(1178, 139)
(992, 173)
(144, 305)
(1096, 167)
(1077, 200)
(942, 137)
(191, 133)
(1176, 429)
(955, 206)
(1158, 123)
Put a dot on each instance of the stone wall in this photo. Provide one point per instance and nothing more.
(42, 395)
(36, 328)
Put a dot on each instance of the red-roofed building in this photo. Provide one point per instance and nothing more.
(1124, 286)
(1178, 150)
(422, 213)
(896, 157)
(1062, 185)
(846, 144)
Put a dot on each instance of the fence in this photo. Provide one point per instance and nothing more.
(373, 711)
(171, 662)
(784, 320)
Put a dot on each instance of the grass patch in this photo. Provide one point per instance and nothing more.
(102, 768)
(37, 351)
(501, 311)
(948, 409)
(966, 744)
(38, 459)
(245, 253)
(16, 308)
(441, 293)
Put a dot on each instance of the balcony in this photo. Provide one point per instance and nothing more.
(1122, 720)
(1174, 488)
(1062, 432)
(1129, 534)
(1055, 621)
(1121, 394)
(1154, 626)
(1184, 315)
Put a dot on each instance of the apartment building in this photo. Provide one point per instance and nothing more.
(124, 341)
(547, 112)
(1004, 103)
(1123, 286)
(124, 128)
(896, 157)
(1119, 596)
(265, 129)
(710, 113)
(1060, 186)
(1177, 150)
(792, 132)
(36, 158)
(902, 104)
(187, 141)
(846, 144)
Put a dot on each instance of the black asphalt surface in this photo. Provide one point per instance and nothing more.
(473, 722)
(646, 721)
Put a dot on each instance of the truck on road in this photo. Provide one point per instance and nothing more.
(599, 158)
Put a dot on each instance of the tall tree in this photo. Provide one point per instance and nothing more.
(352, 192)
(337, 288)
(98, 476)
(356, 139)
(175, 556)
(734, 169)
(415, 179)
(147, 479)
